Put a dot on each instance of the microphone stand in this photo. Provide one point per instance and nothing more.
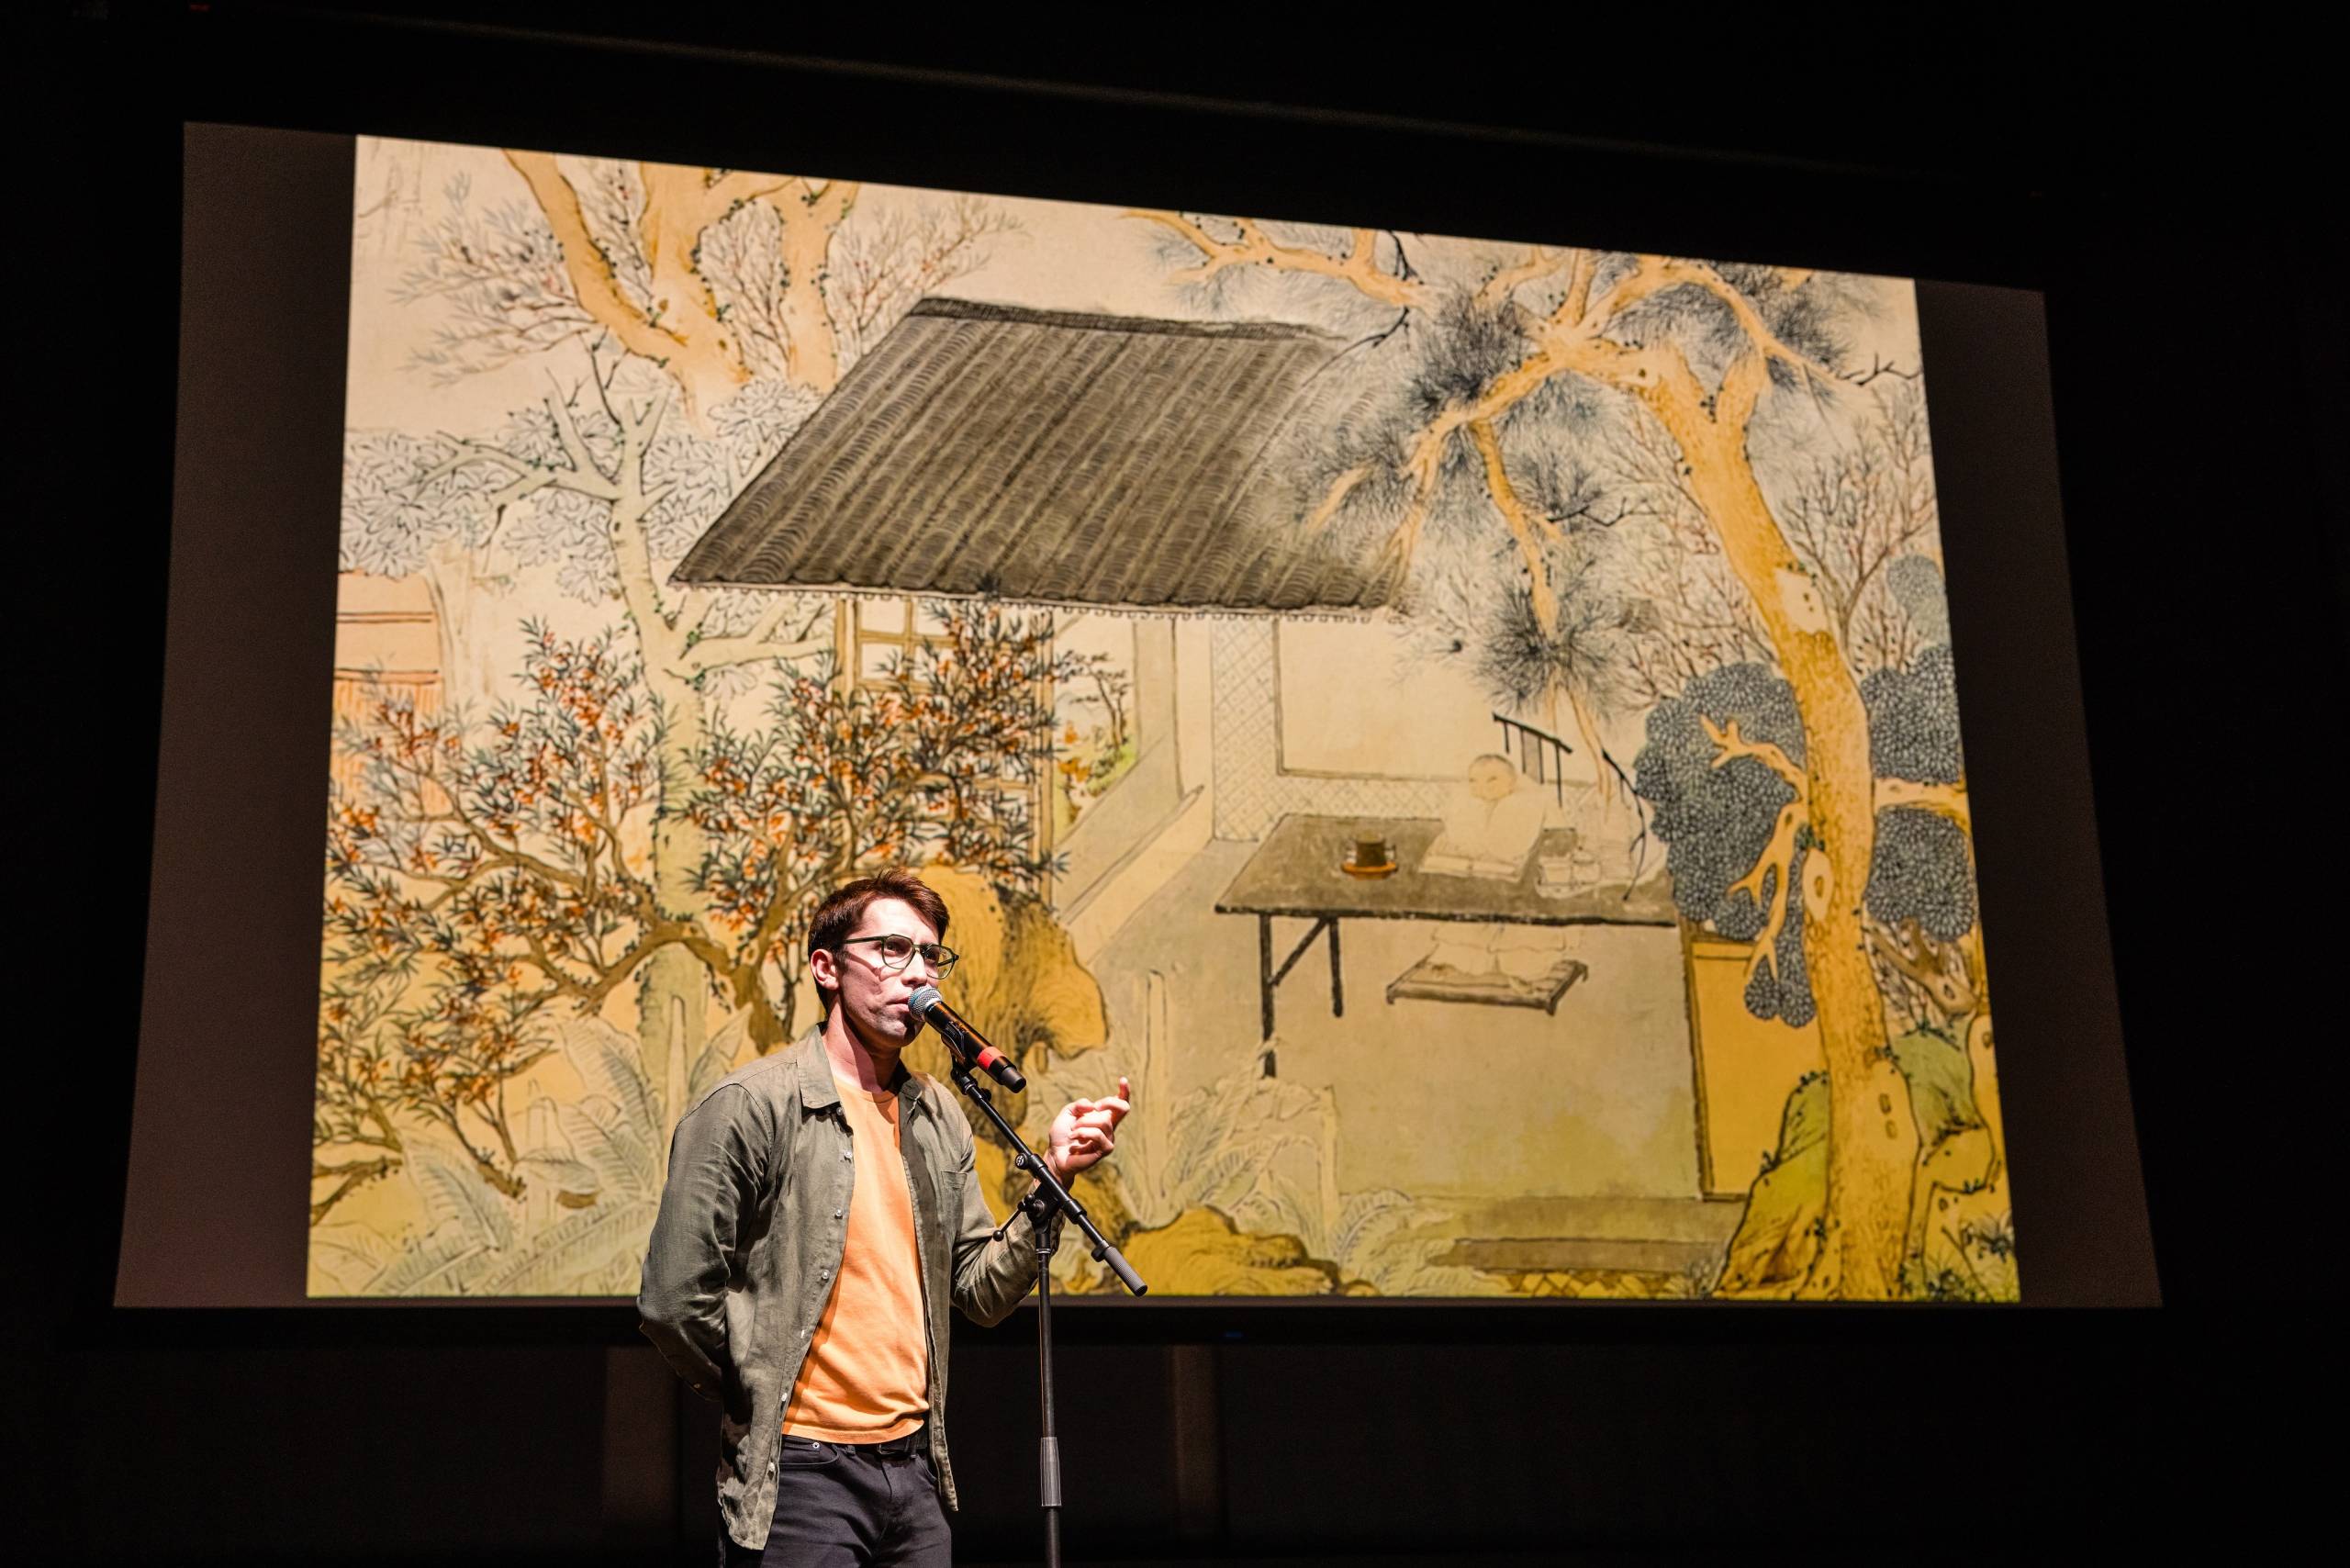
(1048, 1204)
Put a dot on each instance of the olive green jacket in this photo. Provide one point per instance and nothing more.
(749, 1240)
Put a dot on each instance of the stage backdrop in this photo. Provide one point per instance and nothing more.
(1468, 728)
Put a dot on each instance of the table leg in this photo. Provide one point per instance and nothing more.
(1337, 983)
(1269, 977)
(1265, 971)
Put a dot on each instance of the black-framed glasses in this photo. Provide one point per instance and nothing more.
(897, 952)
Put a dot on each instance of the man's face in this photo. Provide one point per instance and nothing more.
(873, 998)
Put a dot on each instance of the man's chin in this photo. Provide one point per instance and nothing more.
(893, 1026)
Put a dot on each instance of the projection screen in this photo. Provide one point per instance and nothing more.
(1467, 728)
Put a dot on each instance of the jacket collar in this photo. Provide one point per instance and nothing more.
(815, 1069)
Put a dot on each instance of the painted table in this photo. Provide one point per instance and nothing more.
(1297, 873)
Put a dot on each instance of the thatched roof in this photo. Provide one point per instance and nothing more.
(1056, 458)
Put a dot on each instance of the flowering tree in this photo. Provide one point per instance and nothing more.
(936, 762)
(470, 887)
(786, 822)
(477, 882)
(981, 728)
(354, 1140)
(611, 490)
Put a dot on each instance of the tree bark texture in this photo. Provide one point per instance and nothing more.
(683, 334)
(681, 328)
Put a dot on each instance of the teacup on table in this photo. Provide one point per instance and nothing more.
(1372, 855)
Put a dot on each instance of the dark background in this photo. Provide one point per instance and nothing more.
(2196, 347)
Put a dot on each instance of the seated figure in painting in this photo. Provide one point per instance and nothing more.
(1490, 826)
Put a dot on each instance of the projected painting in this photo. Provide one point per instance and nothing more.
(1467, 727)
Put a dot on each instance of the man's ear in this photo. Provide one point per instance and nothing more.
(824, 967)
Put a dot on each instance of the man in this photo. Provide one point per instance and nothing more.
(822, 1211)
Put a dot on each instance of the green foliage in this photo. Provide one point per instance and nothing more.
(1793, 1178)
(1263, 1154)
(1716, 819)
(1921, 869)
(1942, 1097)
(1717, 816)
(1976, 1265)
(1913, 719)
(1941, 1084)
(605, 1160)
(1464, 346)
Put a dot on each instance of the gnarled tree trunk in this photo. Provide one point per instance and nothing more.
(1873, 1138)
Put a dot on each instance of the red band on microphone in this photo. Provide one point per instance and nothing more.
(988, 1056)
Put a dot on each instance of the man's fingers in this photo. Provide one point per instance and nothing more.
(1091, 1124)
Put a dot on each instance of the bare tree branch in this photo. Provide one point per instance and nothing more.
(1540, 261)
(1946, 801)
(1730, 745)
(1254, 247)
(1776, 864)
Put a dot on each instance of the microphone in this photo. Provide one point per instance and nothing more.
(968, 1046)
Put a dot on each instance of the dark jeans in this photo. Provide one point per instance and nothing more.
(838, 1505)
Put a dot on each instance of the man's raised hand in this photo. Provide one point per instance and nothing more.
(1085, 1131)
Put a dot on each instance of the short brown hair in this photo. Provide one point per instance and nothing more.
(844, 907)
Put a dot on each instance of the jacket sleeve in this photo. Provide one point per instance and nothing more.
(990, 1276)
(718, 1170)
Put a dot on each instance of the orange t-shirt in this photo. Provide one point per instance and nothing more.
(867, 1377)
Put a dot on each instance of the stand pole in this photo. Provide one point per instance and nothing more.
(1047, 1206)
(1048, 1447)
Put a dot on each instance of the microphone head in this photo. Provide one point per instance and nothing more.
(922, 1000)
